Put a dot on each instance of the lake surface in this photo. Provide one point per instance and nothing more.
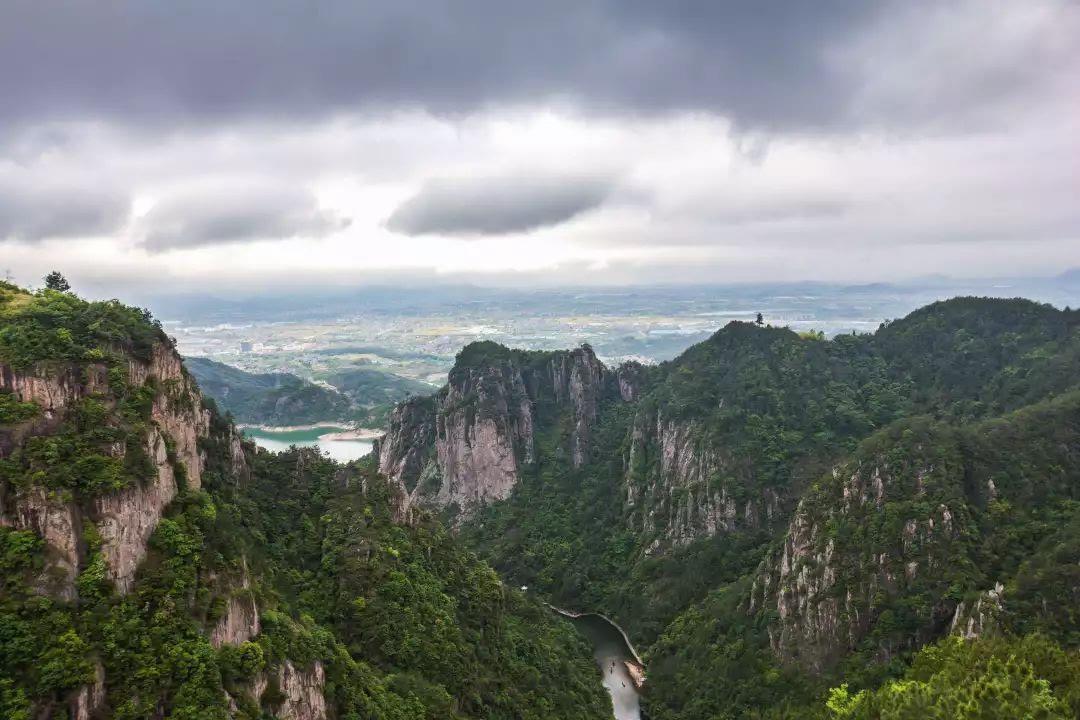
(611, 652)
(340, 450)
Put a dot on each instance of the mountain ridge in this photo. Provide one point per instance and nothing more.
(698, 484)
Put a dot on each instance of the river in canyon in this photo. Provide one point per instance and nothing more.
(612, 653)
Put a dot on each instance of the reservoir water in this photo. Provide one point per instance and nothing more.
(340, 450)
(612, 652)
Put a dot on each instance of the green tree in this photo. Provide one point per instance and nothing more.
(56, 281)
(984, 680)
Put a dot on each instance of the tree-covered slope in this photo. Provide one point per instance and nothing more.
(153, 565)
(773, 513)
(359, 395)
(267, 398)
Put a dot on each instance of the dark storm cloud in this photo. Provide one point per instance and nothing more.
(32, 211)
(497, 206)
(763, 63)
(215, 215)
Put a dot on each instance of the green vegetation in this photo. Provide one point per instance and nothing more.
(13, 411)
(59, 327)
(969, 404)
(56, 281)
(266, 399)
(358, 395)
(934, 468)
(957, 680)
(406, 624)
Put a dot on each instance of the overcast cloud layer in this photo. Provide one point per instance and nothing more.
(219, 144)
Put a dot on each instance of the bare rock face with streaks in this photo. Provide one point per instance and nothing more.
(468, 445)
(240, 622)
(868, 535)
(89, 699)
(681, 487)
(303, 692)
(125, 518)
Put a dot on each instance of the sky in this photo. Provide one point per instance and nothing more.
(255, 144)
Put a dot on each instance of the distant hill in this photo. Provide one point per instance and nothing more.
(359, 395)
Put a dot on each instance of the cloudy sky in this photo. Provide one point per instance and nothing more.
(254, 143)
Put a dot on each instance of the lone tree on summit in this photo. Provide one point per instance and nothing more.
(760, 320)
(56, 281)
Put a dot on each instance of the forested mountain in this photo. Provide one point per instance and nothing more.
(872, 526)
(152, 564)
(772, 515)
(357, 395)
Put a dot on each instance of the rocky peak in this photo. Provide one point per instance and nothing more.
(468, 445)
(631, 379)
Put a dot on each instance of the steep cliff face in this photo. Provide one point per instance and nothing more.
(240, 622)
(632, 378)
(89, 699)
(891, 524)
(124, 518)
(468, 445)
(59, 524)
(681, 487)
(298, 692)
(302, 690)
(406, 449)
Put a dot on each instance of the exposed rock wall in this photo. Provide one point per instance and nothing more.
(125, 518)
(177, 408)
(89, 699)
(978, 618)
(59, 524)
(631, 379)
(302, 691)
(405, 449)
(869, 534)
(240, 622)
(468, 445)
(680, 487)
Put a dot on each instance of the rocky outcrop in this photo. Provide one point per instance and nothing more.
(406, 448)
(579, 381)
(125, 518)
(240, 622)
(89, 699)
(54, 389)
(631, 378)
(58, 522)
(302, 691)
(978, 618)
(468, 445)
(845, 561)
(177, 409)
(680, 487)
